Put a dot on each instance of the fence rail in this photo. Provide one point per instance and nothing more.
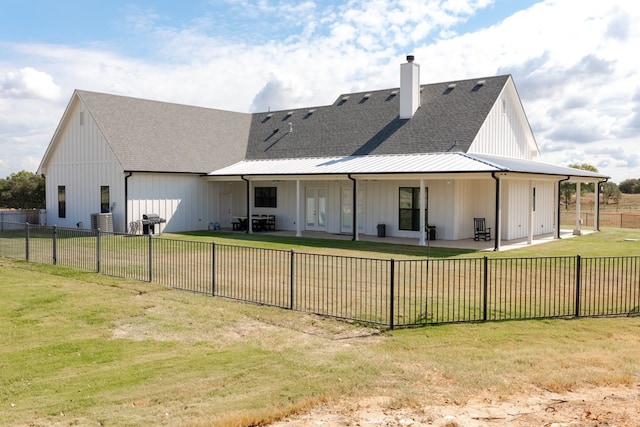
(392, 293)
(607, 219)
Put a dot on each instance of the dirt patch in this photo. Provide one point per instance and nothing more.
(603, 406)
(161, 324)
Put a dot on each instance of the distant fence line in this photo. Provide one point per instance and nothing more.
(31, 216)
(386, 292)
(607, 219)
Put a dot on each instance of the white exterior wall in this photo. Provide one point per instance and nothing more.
(186, 202)
(447, 207)
(453, 203)
(82, 161)
(544, 216)
(506, 131)
(517, 202)
(475, 198)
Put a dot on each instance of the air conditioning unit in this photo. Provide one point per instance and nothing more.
(103, 221)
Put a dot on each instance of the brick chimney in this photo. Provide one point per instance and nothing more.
(409, 88)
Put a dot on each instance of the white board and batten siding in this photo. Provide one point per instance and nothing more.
(518, 202)
(82, 162)
(185, 201)
(506, 131)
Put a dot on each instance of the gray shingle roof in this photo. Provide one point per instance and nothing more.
(158, 136)
(367, 123)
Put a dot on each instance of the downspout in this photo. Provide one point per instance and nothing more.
(558, 213)
(354, 209)
(496, 246)
(249, 224)
(126, 200)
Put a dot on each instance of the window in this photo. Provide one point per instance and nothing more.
(409, 209)
(62, 202)
(104, 199)
(534, 199)
(265, 197)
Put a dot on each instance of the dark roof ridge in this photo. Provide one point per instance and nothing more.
(136, 98)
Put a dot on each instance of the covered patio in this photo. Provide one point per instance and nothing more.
(480, 245)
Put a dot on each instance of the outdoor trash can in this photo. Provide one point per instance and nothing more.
(432, 232)
(382, 230)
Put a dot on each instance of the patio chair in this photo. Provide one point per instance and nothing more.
(479, 230)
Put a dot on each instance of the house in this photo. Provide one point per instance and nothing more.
(366, 163)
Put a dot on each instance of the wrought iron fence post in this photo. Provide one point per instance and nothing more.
(578, 283)
(98, 235)
(213, 269)
(150, 259)
(55, 245)
(292, 280)
(485, 288)
(26, 242)
(392, 275)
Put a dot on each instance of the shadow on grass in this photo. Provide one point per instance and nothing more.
(290, 242)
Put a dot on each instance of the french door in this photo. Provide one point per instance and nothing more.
(346, 210)
(316, 208)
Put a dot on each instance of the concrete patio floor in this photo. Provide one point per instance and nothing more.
(480, 245)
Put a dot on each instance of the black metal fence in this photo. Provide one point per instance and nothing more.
(392, 293)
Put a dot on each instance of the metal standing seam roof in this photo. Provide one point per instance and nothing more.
(528, 166)
(396, 164)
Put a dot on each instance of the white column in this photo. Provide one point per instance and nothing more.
(578, 230)
(556, 212)
(423, 225)
(298, 210)
(596, 207)
(530, 209)
(498, 228)
(354, 209)
(250, 208)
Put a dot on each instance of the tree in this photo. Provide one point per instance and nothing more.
(568, 189)
(611, 193)
(22, 190)
(630, 186)
(589, 187)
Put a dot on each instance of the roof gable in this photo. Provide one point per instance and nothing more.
(155, 136)
(363, 123)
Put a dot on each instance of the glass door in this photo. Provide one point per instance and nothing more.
(316, 209)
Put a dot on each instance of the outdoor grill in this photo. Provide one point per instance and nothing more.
(149, 222)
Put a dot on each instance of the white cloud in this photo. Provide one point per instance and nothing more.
(572, 63)
(29, 83)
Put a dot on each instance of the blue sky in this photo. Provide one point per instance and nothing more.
(571, 60)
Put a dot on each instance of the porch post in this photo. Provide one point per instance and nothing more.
(248, 197)
(249, 207)
(298, 210)
(578, 230)
(531, 207)
(422, 219)
(498, 212)
(596, 208)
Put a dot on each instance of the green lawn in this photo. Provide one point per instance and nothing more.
(85, 349)
(608, 242)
